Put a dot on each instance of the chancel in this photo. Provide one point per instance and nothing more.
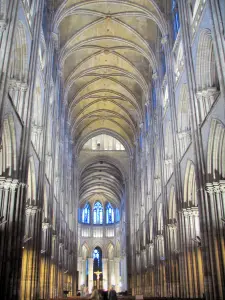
(112, 148)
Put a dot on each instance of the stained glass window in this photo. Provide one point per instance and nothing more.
(86, 214)
(176, 21)
(98, 213)
(109, 214)
(117, 215)
(96, 255)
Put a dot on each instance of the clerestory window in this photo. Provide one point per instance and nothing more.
(98, 213)
(86, 214)
(109, 214)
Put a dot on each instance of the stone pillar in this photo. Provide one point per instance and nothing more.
(117, 274)
(124, 272)
(79, 267)
(105, 273)
(111, 277)
(90, 274)
(83, 279)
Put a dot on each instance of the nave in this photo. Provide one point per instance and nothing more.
(112, 148)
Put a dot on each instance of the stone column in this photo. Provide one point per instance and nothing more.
(79, 267)
(117, 274)
(213, 245)
(105, 273)
(90, 274)
(83, 279)
(124, 272)
(111, 277)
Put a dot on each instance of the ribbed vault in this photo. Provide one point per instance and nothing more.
(107, 59)
(102, 179)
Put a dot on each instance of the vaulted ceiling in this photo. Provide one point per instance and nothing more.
(107, 58)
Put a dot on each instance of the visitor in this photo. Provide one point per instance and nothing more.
(94, 295)
(112, 294)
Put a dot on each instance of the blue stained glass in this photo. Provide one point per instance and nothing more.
(86, 214)
(109, 214)
(176, 21)
(98, 213)
(117, 215)
(96, 255)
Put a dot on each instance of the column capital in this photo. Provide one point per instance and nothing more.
(216, 187)
(7, 183)
(222, 186)
(209, 188)
(172, 226)
(2, 182)
(159, 237)
(14, 184)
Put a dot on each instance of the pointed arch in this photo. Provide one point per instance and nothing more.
(8, 157)
(190, 193)
(110, 214)
(98, 213)
(160, 219)
(86, 213)
(216, 151)
(110, 251)
(172, 205)
(31, 182)
(85, 251)
(206, 72)
(19, 57)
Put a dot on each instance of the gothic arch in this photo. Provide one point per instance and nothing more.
(19, 57)
(85, 251)
(31, 182)
(160, 219)
(206, 72)
(110, 251)
(216, 152)
(206, 75)
(8, 152)
(172, 205)
(190, 193)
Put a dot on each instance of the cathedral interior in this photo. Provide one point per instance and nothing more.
(112, 148)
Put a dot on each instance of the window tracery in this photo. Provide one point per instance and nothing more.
(98, 213)
(109, 214)
(86, 214)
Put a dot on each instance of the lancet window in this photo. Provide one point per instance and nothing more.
(86, 214)
(109, 214)
(176, 21)
(98, 213)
